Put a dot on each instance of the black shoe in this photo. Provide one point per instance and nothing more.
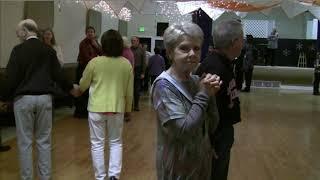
(316, 93)
(127, 119)
(136, 109)
(76, 115)
(245, 90)
(113, 178)
(80, 115)
(4, 148)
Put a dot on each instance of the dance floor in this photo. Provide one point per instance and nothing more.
(278, 139)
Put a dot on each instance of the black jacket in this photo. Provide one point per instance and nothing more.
(227, 98)
(32, 69)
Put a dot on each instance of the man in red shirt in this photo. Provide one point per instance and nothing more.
(89, 48)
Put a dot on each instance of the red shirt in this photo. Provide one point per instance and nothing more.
(88, 51)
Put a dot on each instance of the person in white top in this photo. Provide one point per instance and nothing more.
(146, 80)
(49, 39)
(272, 46)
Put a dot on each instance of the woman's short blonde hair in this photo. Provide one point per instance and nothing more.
(126, 42)
(174, 34)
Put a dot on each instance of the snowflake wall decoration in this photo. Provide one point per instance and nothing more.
(286, 52)
(299, 46)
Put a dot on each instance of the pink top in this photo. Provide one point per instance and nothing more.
(108, 113)
(127, 53)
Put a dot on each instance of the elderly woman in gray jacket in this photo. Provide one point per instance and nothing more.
(185, 107)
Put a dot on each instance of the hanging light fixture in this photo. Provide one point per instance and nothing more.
(171, 11)
(104, 7)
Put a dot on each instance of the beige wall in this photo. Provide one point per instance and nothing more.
(0, 33)
(41, 11)
(14, 10)
(69, 27)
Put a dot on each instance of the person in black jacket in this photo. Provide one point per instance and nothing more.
(249, 58)
(316, 76)
(238, 70)
(139, 70)
(32, 69)
(228, 40)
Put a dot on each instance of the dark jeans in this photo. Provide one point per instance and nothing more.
(145, 84)
(271, 57)
(239, 78)
(248, 77)
(223, 143)
(238, 68)
(81, 102)
(316, 83)
(152, 78)
(137, 86)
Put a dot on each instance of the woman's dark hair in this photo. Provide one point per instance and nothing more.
(112, 43)
(156, 50)
(250, 39)
(53, 40)
(90, 27)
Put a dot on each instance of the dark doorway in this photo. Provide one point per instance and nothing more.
(146, 41)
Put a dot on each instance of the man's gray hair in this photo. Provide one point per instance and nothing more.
(226, 32)
(174, 34)
(29, 24)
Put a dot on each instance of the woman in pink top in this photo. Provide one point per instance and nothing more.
(127, 53)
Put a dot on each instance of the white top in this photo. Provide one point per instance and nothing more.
(59, 54)
(273, 41)
(31, 37)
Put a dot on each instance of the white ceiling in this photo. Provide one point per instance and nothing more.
(290, 7)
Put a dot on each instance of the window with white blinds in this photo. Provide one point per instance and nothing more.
(258, 28)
